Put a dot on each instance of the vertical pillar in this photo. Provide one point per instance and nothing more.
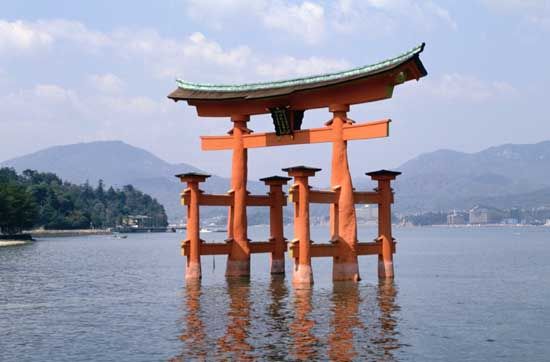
(275, 183)
(238, 262)
(302, 275)
(191, 245)
(385, 258)
(343, 219)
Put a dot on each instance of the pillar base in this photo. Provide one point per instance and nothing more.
(193, 271)
(277, 266)
(345, 271)
(303, 276)
(237, 268)
(385, 269)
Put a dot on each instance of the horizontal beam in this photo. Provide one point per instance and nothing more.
(258, 200)
(366, 197)
(369, 130)
(316, 250)
(261, 247)
(225, 248)
(215, 200)
(227, 200)
(331, 250)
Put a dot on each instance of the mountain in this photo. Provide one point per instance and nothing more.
(448, 179)
(503, 176)
(118, 164)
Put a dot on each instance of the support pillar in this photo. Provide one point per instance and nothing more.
(302, 276)
(193, 241)
(277, 260)
(238, 262)
(385, 259)
(343, 220)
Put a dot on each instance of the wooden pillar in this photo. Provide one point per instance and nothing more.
(385, 259)
(238, 263)
(193, 241)
(276, 226)
(343, 220)
(302, 275)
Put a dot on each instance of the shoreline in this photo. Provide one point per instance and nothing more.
(68, 233)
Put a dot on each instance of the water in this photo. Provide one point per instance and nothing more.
(468, 294)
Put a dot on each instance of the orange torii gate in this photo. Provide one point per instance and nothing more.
(287, 101)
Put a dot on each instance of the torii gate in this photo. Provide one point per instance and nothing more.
(287, 101)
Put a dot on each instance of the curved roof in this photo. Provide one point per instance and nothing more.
(189, 90)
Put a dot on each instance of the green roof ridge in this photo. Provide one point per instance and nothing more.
(299, 81)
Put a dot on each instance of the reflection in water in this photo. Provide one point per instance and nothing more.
(234, 344)
(275, 322)
(388, 336)
(345, 307)
(301, 328)
(193, 335)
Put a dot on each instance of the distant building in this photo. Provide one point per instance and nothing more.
(367, 214)
(137, 221)
(510, 221)
(457, 218)
(484, 215)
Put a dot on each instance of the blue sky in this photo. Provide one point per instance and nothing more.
(75, 71)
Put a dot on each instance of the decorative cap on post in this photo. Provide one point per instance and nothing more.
(381, 175)
(301, 171)
(192, 176)
(276, 180)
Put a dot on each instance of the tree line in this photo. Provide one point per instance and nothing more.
(37, 199)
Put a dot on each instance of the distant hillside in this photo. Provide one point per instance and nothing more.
(118, 164)
(503, 176)
(448, 179)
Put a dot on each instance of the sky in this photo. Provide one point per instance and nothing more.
(80, 71)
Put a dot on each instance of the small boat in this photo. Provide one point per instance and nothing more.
(120, 236)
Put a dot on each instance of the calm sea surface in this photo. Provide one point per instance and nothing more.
(460, 294)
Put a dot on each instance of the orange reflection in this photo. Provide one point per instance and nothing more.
(345, 308)
(387, 338)
(305, 343)
(234, 345)
(193, 335)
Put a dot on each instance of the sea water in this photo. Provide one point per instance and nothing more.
(464, 294)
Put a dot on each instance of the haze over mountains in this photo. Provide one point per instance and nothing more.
(118, 164)
(502, 176)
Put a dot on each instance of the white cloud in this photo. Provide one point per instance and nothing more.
(107, 83)
(53, 93)
(195, 57)
(203, 49)
(535, 12)
(461, 87)
(289, 66)
(22, 37)
(306, 20)
(384, 17)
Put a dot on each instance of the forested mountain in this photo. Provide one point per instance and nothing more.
(45, 200)
(117, 164)
(440, 180)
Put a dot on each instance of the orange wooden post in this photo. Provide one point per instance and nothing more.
(275, 183)
(385, 259)
(238, 262)
(193, 266)
(302, 267)
(343, 220)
